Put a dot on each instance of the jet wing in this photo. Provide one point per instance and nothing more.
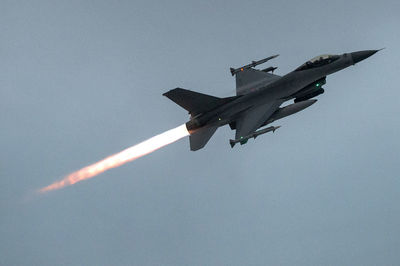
(251, 119)
(251, 79)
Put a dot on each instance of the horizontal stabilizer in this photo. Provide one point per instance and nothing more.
(200, 137)
(195, 102)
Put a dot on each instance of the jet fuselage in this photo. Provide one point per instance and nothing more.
(259, 95)
(282, 88)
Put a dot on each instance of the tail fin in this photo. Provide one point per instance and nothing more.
(194, 102)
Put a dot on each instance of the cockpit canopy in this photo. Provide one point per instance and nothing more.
(318, 61)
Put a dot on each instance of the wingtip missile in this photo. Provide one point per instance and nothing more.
(252, 64)
(253, 135)
(275, 128)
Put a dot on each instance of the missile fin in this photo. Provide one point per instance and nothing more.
(232, 143)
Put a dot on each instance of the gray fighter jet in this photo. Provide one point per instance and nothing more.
(259, 95)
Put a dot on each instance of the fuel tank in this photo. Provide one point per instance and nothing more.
(289, 110)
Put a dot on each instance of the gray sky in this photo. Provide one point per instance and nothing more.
(80, 80)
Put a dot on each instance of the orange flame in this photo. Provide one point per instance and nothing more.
(121, 158)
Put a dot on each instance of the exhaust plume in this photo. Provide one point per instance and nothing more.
(118, 159)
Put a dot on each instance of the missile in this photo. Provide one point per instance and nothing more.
(253, 64)
(289, 110)
(254, 135)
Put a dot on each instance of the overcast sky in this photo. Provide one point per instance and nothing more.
(80, 80)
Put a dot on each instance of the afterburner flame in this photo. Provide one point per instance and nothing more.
(121, 158)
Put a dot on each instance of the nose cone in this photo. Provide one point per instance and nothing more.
(361, 55)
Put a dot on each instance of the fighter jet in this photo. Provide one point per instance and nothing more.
(259, 95)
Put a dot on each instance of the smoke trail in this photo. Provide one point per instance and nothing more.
(127, 155)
